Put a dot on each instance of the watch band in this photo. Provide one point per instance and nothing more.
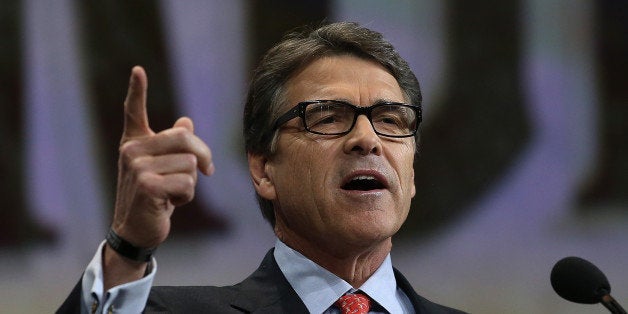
(128, 250)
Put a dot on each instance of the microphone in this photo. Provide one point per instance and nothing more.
(578, 280)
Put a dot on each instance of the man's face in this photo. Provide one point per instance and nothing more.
(339, 191)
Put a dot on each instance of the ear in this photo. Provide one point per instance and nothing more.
(262, 180)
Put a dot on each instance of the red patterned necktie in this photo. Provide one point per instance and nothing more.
(354, 304)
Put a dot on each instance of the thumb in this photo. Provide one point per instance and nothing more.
(135, 116)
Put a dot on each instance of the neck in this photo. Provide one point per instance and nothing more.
(357, 268)
(354, 265)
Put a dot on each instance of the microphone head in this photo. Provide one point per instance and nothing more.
(578, 280)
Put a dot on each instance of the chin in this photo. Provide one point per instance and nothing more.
(369, 235)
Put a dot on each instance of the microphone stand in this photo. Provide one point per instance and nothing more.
(612, 305)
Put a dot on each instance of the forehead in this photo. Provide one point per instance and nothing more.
(343, 77)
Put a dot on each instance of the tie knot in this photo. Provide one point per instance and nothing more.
(357, 303)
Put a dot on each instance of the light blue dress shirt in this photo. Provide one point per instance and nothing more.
(317, 287)
(130, 297)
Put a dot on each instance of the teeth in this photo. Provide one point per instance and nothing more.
(363, 183)
(364, 177)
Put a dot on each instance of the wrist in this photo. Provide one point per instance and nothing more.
(126, 249)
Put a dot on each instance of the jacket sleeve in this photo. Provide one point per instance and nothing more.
(72, 303)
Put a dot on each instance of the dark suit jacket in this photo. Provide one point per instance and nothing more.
(265, 291)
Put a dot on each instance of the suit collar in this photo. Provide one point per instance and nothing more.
(267, 291)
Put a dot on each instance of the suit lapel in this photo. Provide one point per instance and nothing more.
(405, 286)
(267, 291)
(421, 305)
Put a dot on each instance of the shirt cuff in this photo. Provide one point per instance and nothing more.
(130, 297)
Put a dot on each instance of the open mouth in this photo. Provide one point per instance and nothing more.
(363, 183)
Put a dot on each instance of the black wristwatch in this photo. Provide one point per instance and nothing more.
(128, 250)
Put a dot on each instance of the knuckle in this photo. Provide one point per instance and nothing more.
(136, 164)
(186, 139)
(128, 151)
(181, 134)
(188, 183)
(190, 161)
(146, 182)
(128, 146)
(184, 191)
(189, 196)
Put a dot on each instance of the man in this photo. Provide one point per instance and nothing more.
(330, 128)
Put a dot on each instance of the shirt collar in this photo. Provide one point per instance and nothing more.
(319, 289)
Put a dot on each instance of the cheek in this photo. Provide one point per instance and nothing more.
(301, 167)
(410, 171)
(412, 186)
(405, 166)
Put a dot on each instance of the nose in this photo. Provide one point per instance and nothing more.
(362, 138)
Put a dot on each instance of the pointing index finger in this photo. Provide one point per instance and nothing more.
(135, 116)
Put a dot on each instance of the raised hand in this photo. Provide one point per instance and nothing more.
(156, 171)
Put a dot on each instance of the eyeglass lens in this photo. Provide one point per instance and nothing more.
(337, 118)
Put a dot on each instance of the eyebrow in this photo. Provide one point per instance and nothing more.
(376, 102)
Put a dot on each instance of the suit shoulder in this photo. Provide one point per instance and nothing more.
(435, 308)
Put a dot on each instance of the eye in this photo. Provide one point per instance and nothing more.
(320, 118)
(390, 119)
(327, 114)
(328, 119)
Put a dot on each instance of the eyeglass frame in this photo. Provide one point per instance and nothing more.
(298, 111)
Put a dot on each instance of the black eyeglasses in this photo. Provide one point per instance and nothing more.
(334, 117)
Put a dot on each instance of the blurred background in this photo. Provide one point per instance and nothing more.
(523, 156)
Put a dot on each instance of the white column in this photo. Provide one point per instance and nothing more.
(206, 40)
(63, 186)
(207, 44)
